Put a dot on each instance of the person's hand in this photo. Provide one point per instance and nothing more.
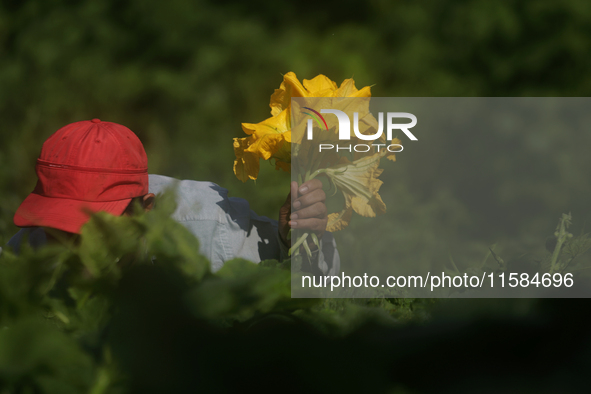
(308, 212)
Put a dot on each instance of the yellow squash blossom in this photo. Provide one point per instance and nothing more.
(320, 86)
(339, 220)
(271, 138)
(359, 184)
(246, 165)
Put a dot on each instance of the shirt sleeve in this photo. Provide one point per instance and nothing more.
(227, 228)
(35, 236)
(257, 238)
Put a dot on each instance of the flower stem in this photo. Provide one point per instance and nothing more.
(561, 237)
(296, 245)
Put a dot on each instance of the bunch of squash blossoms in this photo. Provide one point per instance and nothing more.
(281, 139)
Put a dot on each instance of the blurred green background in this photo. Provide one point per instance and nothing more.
(183, 75)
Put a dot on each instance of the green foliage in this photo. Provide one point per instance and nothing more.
(66, 308)
(561, 251)
(242, 290)
(37, 357)
(339, 317)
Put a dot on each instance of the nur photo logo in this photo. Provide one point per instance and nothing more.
(345, 129)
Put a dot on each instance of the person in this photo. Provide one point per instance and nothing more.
(91, 166)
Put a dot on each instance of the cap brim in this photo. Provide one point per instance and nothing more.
(61, 213)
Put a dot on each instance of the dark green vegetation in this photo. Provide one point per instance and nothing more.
(183, 75)
(131, 307)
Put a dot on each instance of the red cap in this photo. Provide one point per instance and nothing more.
(84, 167)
